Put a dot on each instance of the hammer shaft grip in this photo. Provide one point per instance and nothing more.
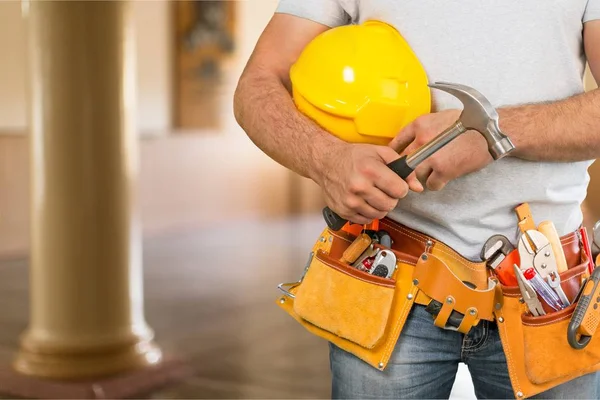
(335, 222)
(401, 167)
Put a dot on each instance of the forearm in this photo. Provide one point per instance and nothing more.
(563, 131)
(266, 112)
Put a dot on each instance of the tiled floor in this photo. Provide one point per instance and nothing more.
(210, 298)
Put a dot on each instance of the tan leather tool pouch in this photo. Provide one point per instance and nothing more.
(538, 354)
(358, 312)
(347, 302)
(436, 279)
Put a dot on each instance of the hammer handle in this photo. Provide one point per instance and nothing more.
(404, 166)
(335, 222)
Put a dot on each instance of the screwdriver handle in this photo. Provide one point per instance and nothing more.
(335, 222)
(549, 230)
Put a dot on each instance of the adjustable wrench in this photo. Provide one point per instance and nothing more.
(500, 255)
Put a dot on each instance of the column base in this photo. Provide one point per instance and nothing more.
(135, 383)
(62, 364)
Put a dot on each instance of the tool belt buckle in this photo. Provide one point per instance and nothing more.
(450, 319)
(455, 304)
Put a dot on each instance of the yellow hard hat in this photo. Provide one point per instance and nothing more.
(362, 83)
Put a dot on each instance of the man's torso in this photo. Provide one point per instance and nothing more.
(514, 52)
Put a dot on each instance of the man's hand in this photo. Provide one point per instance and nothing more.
(358, 184)
(467, 153)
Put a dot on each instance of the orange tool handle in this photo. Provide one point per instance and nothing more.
(505, 270)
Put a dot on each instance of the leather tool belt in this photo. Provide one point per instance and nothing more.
(365, 314)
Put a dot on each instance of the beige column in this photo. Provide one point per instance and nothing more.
(86, 316)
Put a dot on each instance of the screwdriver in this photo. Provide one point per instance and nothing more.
(543, 289)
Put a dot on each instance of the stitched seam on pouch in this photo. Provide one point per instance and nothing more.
(406, 233)
(395, 333)
(509, 360)
(417, 236)
(391, 285)
(549, 322)
(341, 237)
(470, 266)
(573, 277)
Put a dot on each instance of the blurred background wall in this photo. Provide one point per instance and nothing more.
(189, 179)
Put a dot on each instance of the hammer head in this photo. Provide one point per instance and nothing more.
(479, 114)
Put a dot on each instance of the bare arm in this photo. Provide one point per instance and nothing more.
(355, 180)
(567, 130)
(263, 105)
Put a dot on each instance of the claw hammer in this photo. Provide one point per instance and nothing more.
(478, 114)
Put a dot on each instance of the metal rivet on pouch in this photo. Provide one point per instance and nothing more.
(544, 265)
(416, 282)
(520, 394)
(410, 296)
(380, 365)
(521, 300)
(428, 245)
(547, 254)
(322, 239)
(472, 311)
(282, 300)
(500, 319)
(449, 300)
(424, 257)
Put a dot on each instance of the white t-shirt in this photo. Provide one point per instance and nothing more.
(512, 51)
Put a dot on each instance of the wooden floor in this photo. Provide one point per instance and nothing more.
(210, 296)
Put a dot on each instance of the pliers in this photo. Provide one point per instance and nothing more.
(536, 252)
(529, 295)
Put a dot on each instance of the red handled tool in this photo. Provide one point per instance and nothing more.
(500, 256)
(583, 235)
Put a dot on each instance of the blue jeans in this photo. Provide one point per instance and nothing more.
(425, 362)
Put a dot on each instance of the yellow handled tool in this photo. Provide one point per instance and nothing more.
(549, 230)
(586, 316)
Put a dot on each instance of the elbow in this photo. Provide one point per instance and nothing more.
(238, 103)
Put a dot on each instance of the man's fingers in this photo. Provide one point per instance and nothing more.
(360, 208)
(403, 139)
(414, 184)
(388, 182)
(358, 211)
(423, 172)
(381, 201)
(436, 182)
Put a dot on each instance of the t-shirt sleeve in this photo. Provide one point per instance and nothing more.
(592, 11)
(326, 12)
